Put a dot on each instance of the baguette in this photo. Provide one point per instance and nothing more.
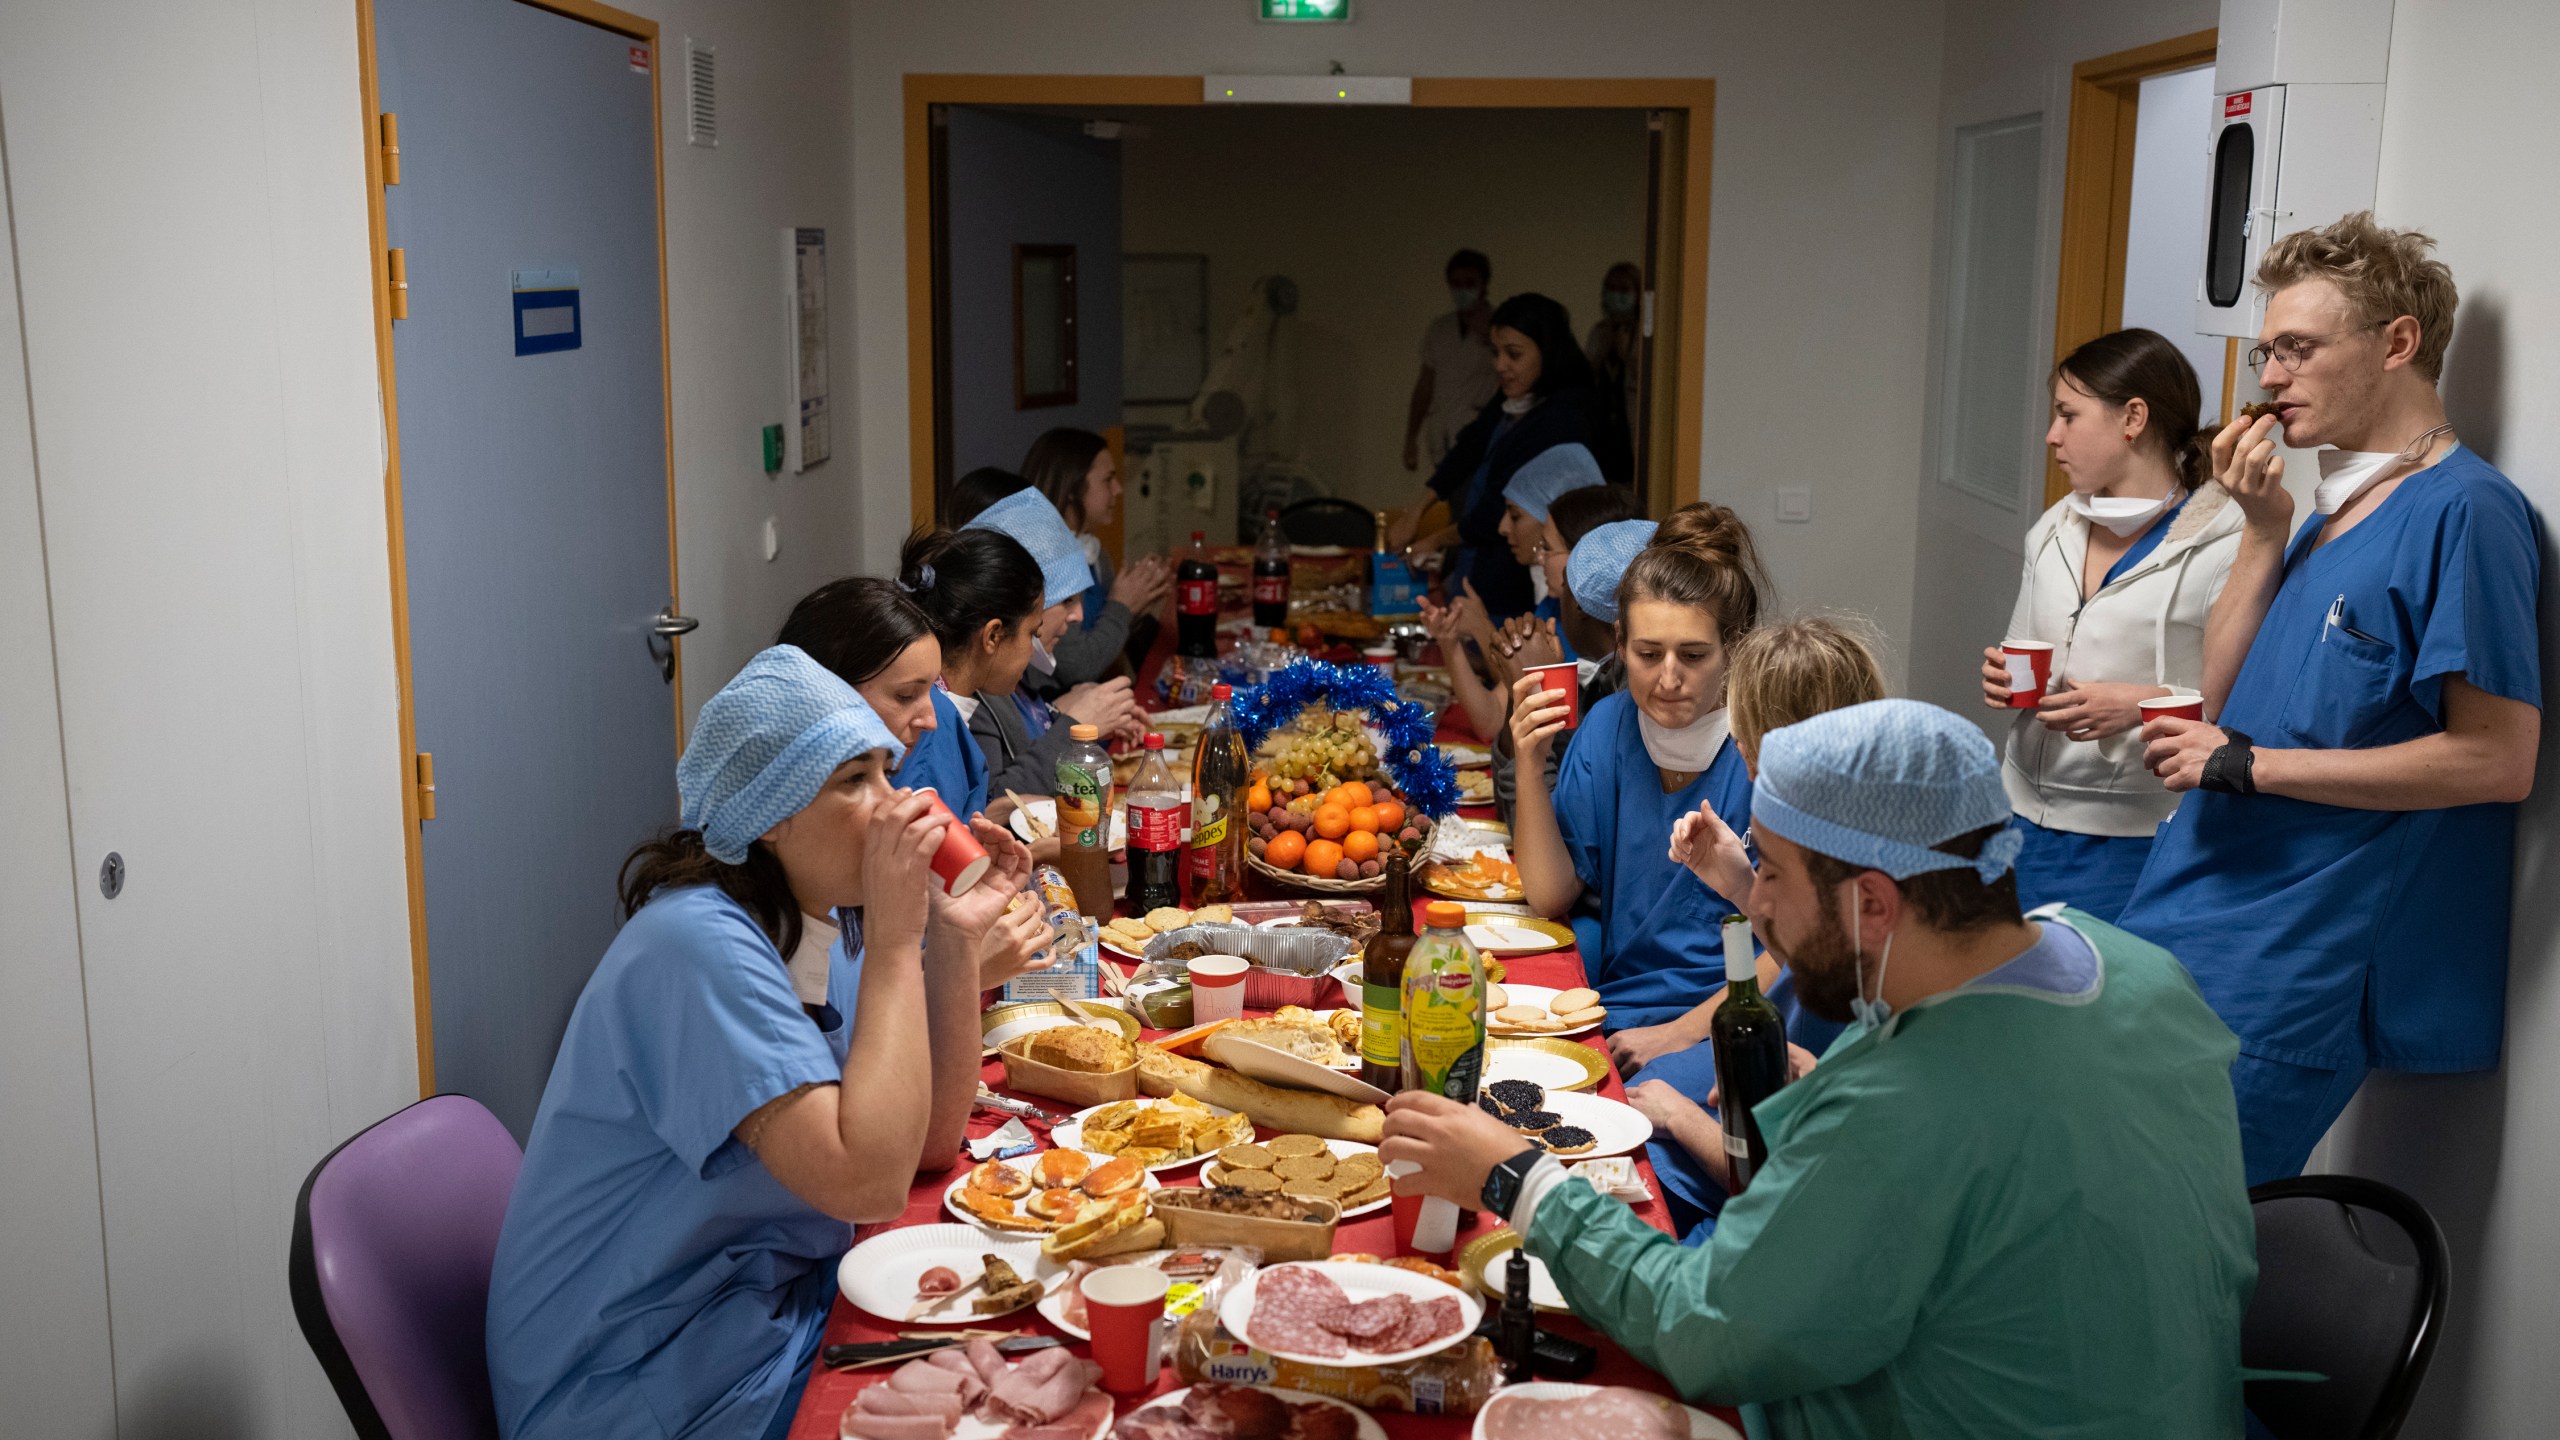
(1300, 1112)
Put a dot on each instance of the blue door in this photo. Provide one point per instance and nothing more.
(534, 507)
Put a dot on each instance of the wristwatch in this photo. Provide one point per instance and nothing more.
(1502, 1183)
(2231, 768)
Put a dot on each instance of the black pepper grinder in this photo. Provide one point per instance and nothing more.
(1515, 1335)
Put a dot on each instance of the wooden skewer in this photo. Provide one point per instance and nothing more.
(922, 1308)
(1040, 829)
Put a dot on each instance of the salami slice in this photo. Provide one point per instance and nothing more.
(1429, 1320)
(1293, 1310)
(1369, 1321)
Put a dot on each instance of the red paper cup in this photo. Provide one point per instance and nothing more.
(1381, 657)
(2030, 671)
(1564, 679)
(1124, 1310)
(961, 861)
(1417, 1213)
(1217, 988)
(2172, 707)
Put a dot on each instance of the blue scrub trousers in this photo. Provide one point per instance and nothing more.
(2285, 1109)
(1690, 1196)
(2093, 873)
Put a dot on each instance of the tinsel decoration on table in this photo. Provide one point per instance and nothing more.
(1424, 776)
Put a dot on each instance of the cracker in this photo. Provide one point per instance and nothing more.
(1213, 915)
(1303, 1167)
(1591, 1016)
(1261, 1182)
(1496, 999)
(1578, 998)
(1521, 1014)
(1375, 1191)
(1287, 1147)
(1308, 1189)
(1245, 1156)
(1359, 1169)
(1165, 917)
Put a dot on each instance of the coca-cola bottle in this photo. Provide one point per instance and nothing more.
(1196, 601)
(1271, 575)
(1156, 812)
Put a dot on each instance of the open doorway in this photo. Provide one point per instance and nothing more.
(1251, 327)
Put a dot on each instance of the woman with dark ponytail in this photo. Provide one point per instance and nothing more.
(2120, 576)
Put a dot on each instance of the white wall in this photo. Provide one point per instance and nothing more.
(2469, 96)
(1362, 208)
(200, 347)
(781, 162)
(2006, 57)
(1824, 145)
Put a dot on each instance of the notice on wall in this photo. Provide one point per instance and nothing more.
(805, 283)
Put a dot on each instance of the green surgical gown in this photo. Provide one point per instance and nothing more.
(2003, 1214)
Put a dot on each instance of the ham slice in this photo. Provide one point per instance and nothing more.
(959, 1367)
(918, 1377)
(1082, 1421)
(867, 1425)
(890, 1400)
(1610, 1413)
(986, 1359)
(1041, 1389)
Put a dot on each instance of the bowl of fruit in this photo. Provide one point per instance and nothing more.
(1323, 816)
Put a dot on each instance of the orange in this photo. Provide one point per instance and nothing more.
(1350, 793)
(1360, 845)
(1364, 817)
(1332, 821)
(1390, 816)
(1322, 857)
(1285, 850)
(1257, 798)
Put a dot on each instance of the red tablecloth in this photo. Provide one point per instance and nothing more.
(830, 1392)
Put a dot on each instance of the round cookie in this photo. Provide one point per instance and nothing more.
(1360, 1169)
(1578, 998)
(1521, 1014)
(1260, 1182)
(1293, 1147)
(1303, 1167)
(1245, 1155)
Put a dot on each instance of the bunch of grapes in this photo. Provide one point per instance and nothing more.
(1325, 752)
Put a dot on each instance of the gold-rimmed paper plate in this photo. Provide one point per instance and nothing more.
(1546, 1061)
(1485, 1259)
(1022, 1017)
(1536, 934)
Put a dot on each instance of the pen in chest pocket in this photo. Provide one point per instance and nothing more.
(2338, 621)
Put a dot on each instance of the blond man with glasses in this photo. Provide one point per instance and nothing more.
(2337, 874)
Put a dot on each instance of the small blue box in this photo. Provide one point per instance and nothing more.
(1392, 588)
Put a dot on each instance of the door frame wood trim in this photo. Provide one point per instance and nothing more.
(369, 94)
(1696, 96)
(2097, 193)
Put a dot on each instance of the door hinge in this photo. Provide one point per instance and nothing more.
(426, 783)
(390, 148)
(396, 276)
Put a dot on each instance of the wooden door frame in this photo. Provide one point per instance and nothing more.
(413, 789)
(2097, 197)
(1696, 97)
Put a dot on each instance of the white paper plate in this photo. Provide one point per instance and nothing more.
(1272, 1066)
(1342, 1150)
(1467, 757)
(1542, 996)
(1617, 1127)
(1047, 812)
(1370, 1429)
(879, 1275)
(1185, 715)
(1520, 1062)
(1068, 1134)
(1000, 1036)
(1023, 1163)
(1702, 1426)
(1496, 937)
(1360, 1282)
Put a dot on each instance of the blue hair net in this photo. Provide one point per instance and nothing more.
(1027, 516)
(1599, 561)
(1550, 473)
(1876, 785)
(764, 746)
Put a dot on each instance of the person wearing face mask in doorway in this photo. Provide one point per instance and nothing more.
(2119, 577)
(1616, 348)
(1457, 363)
(2337, 875)
(2008, 1200)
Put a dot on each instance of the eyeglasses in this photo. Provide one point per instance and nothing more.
(2291, 351)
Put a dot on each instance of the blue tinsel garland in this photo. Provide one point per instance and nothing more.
(1418, 768)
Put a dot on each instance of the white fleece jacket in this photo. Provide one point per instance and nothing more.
(2146, 628)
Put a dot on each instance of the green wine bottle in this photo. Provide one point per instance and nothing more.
(1750, 1039)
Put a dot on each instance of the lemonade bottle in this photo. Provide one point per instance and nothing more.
(1444, 1017)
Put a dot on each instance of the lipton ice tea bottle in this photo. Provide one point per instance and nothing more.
(1444, 1019)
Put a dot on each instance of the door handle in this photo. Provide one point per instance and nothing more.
(662, 638)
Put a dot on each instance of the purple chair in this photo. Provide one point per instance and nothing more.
(393, 1237)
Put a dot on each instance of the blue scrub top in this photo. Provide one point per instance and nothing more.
(652, 1277)
(1661, 947)
(1553, 609)
(2331, 937)
(948, 760)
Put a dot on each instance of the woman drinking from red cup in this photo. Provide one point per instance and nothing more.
(2120, 576)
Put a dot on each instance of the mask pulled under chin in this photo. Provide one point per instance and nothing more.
(2345, 474)
(1689, 749)
(1043, 659)
(2121, 515)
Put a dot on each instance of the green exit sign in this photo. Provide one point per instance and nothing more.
(1306, 10)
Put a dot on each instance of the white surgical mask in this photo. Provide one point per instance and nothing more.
(1689, 749)
(1583, 670)
(2345, 474)
(2123, 515)
(1871, 1015)
(1463, 299)
(1043, 659)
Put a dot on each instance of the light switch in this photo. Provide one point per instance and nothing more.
(1795, 504)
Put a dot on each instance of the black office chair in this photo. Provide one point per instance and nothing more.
(1330, 520)
(2353, 1282)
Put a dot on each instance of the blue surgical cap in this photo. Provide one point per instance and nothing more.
(764, 746)
(1599, 561)
(1876, 785)
(1027, 516)
(1550, 473)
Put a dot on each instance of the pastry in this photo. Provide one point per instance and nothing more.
(1517, 1094)
(1568, 1140)
(1532, 1121)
